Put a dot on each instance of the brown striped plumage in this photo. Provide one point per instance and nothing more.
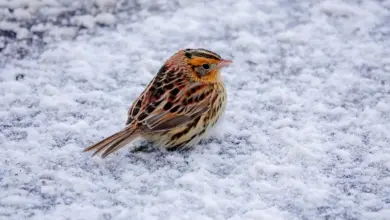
(180, 104)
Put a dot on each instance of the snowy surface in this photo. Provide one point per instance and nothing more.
(306, 134)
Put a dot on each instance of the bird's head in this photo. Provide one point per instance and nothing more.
(202, 65)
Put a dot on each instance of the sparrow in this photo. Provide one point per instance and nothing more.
(179, 106)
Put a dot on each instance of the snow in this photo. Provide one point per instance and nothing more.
(305, 134)
(105, 18)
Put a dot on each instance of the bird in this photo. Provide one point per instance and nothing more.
(179, 106)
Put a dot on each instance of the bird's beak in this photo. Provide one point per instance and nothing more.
(224, 63)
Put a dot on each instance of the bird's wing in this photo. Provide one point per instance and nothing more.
(169, 102)
(165, 120)
(152, 96)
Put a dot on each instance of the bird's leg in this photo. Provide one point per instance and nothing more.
(144, 147)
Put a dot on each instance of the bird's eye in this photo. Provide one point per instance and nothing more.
(204, 69)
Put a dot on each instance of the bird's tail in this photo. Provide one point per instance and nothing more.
(114, 142)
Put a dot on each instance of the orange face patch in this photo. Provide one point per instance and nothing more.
(212, 76)
(198, 61)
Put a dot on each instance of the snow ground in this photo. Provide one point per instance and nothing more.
(305, 135)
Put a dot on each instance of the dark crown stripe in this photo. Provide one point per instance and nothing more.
(206, 54)
(210, 52)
